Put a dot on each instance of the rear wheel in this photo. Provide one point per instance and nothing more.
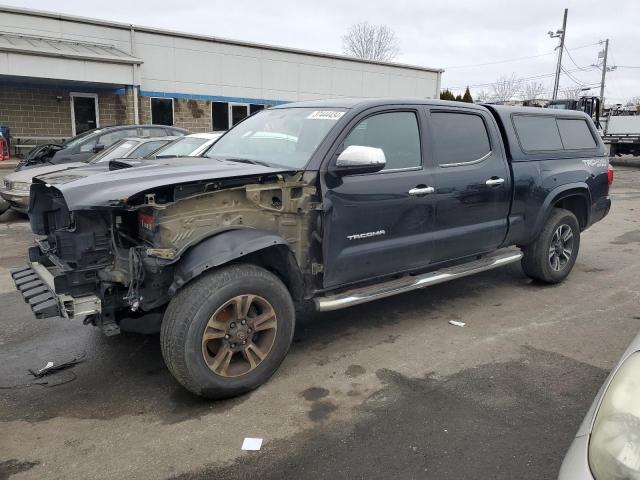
(552, 256)
(228, 331)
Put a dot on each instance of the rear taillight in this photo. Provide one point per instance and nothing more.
(610, 175)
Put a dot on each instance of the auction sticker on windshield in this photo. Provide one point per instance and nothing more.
(325, 115)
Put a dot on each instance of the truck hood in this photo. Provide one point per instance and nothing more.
(88, 188)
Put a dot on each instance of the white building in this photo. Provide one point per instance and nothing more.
(61, 74)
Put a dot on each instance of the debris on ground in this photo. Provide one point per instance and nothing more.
(457, 323)
(251, 443)
(51, 366)
(55, 371)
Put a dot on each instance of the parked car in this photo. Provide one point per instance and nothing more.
(81, 147)
(192, 145)
(607, 445)
(16, 186)
(329, 203)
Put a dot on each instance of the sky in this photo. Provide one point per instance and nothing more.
(475, 41)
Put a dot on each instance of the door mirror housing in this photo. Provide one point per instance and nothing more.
(98, 147)
(357, 159)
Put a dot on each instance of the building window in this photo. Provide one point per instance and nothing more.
(162, 111)
(225, 115)
(238, 112)
(220, 116)
(84, 112)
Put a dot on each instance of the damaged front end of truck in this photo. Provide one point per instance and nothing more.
(114, 248)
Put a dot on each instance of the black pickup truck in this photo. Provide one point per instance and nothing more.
(328, 203)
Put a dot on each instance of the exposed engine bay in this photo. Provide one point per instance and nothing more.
(129, 255)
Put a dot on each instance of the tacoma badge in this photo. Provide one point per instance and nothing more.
(358, 236)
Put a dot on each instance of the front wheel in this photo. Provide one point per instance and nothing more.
(552, 256)
(228, 331)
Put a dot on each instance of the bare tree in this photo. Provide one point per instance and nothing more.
(370, 42)
(633, 101)
(506, 88)
(533, 91)
(483, 96)
(572, 93)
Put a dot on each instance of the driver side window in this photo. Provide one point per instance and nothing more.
(396, 133)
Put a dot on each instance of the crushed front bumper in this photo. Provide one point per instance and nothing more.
(36, 283)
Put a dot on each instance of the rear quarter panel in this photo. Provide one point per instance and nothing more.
(539, 184)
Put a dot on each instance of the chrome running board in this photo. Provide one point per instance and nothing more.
(413, 282)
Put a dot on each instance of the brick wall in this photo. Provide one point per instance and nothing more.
(35, 111)
(194, 115)
(112, 109)
(46, 111)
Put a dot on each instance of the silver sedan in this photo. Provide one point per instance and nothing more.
(607, 445)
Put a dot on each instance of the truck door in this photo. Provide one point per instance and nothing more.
(379, 223)
(473, 183)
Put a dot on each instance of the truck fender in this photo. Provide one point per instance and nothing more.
(563, 191)
(218, 250)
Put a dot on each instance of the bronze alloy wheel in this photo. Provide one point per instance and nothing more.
(239, 335)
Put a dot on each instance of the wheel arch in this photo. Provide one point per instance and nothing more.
(574, 197)
(258, 247)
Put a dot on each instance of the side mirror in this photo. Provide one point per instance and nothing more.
(98, 147)
(357, 159)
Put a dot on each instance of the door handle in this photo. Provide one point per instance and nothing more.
(421, 191)
(495, 181)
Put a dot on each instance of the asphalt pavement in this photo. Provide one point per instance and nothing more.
(384, 390)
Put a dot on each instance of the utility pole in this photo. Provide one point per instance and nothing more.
(561, 34)
(604, 74)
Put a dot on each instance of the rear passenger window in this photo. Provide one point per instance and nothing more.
(459, 137)
(575, 134)
(537, 133)
(396, 133)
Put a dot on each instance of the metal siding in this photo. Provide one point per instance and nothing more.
(65, 69)
(198, 66)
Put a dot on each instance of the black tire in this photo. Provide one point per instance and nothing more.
(539, 262)
(191, 312)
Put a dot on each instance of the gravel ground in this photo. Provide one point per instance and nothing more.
(384, 390)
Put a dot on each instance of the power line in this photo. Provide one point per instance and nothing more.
(489, 84)
(516, 59)
(499, 61)
(572, 78)
(573, 61)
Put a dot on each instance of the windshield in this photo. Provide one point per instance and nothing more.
(72, 142)
(181, 147)
(121, 149)
(284, 137)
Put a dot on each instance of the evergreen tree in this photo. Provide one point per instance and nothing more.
(447, 95)
(458, 98)
(467, 96)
